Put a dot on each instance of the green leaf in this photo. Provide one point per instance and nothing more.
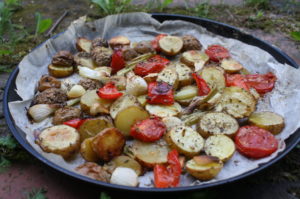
(165, 3)
(37, 194)
(4, 164)
(8, 142)
(41, 24)
(5, 52)
(295, 35)
(104, 195)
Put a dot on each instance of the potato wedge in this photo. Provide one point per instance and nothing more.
(214, 77)
(214, 123)
(220, 146)
(61, 139)
(150, 153)
(83, 44)
(237, 102)
(58, 71)
(185, 140)
(118, 42)
(92, 104)
(231, 66)
(195, 59)
(170, 45)
(186, 93)
(267, 120)
(129, 116)
(87, 151)
(163, 110)
(108, 144)
(151, 77)
(84, 59)
(91, 127)
(124, 161)
(171, 122)
(204, 167)
(184, 74)
(169, 76)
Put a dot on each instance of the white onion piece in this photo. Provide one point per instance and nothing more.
(39, 112)
(136, 85)
(76, 91)
(92, 74)
(124, 176)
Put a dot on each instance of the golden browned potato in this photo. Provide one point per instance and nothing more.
(47, 81)
(150, 153)
(204, 167)
(214, 123)
(267, 120)
(220, 146)
(237, 102)
(125, 161)
(195, 59)
(94, 171)
(61, 139)
(214, 77)
(92, 104)
(170, 45)
(118, 42)
(83, 44)
(184, 74)
(58, 71)
(108, 144)
(231, 66)
(171, 122)
(87, 152)
(151, 77)
(164, 110)
(185, 140)
(91, 127)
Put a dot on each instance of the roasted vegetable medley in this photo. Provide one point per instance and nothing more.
(166, 105)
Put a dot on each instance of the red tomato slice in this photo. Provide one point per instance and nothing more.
(117, 61)
(154, 42)
(262, 83)
(148, 130)
(154, 64)
(236, 80)
(160, 93)
(216, 53)
(203, 88)
(168, 176)
(255, 142)
(109, 91)
(75, 123)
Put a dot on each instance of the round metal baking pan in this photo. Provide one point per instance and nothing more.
(213, 26)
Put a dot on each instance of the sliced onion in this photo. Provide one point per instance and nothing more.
(40, 112)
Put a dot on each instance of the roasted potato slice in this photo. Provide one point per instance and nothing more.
(171, 122)
(237, 102)
(192, 118)
(118, 42)
(124, 161)
(47, 81)
(142, 100)
(184, 74)
(58, 71)
(94, 171)
(151, 77)
(61, 139)
(195, 59)
(164, 110)
(169, 76)
(83, 44)
(91, 127)
(231, 66)
(214, 77)
(84, 59)
(129, 116)
(122, 103)
(186, 140)
(204, 167)
(267, 120)
(186, 93)
(150, 153)
(220, 146)
(108, 144)
(170, 45)
(214, 123)
(87, 151)
(92, 104)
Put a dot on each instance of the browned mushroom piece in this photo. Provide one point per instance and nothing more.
(51, 96)
(64, 114)
(129, 53)
(47, 81)
(90, 84)
(191, 43)
(101, 56)
(144, 47)
(93, 171)
(99, 42)
(63, 58)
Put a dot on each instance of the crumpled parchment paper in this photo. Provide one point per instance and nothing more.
(284, 99)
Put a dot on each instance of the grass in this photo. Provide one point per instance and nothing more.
(37, 194)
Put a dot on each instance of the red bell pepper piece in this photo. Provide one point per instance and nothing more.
(160, 93)
(203, 88)
(109, 91)
(154, 64)
(117, 61)
(168, 176)
(75, 123)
